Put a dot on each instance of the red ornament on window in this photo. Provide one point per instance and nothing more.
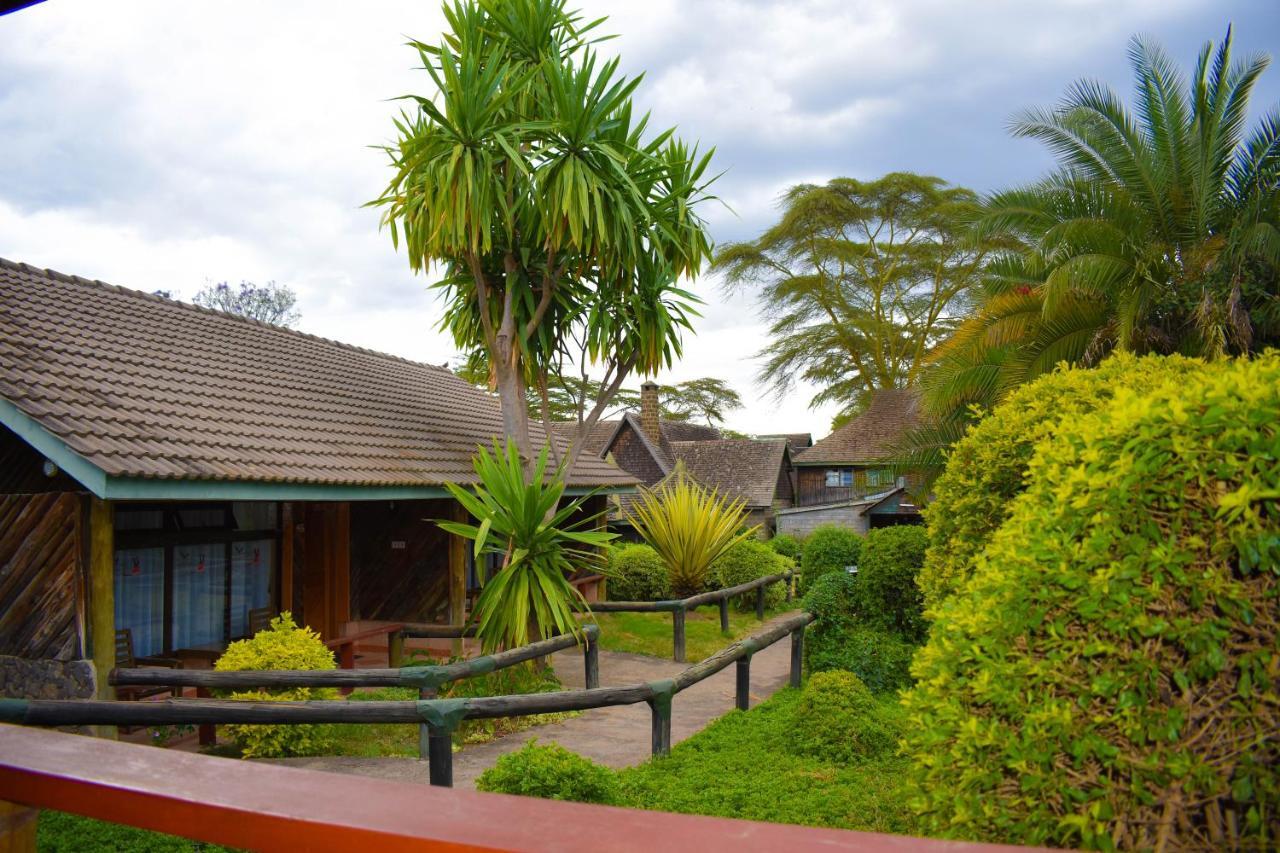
(256, 558)
(135, 569)
(200, 566)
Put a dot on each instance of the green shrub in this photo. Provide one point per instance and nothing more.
(746, 561)
(886, 594)
(838, 719)
(986, 469)
(60, 832)
(637, 573)
(1107, 678)
(551, 772)
(284, 645)
(787, 545)
(840, 640)
(828, 549)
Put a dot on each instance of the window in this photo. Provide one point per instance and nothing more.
(839, 478)
(187, 575)
(879, 477)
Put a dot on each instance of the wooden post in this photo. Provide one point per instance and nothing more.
(440, 755)
(102, 605)
(395, 649)
(797, 655)
(286, 558)
(661, 728)
(207, 732)
(744, 683)
(17, 828)
(677, 630)
(591, 661)
(424, 731)
(457, 576)
(760, 602)
(341, 567)
(724, 615)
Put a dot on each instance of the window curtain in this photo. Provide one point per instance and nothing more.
(251, 564)
(139, 598)
(199, 595)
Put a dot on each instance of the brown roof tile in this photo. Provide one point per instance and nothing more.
(867, 438)
(742, 467)
(143, 386)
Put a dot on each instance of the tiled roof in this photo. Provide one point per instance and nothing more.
(868, 437)
(596, 439)
(687, 431)
(745, 468)
(143, 386)
(797, 441)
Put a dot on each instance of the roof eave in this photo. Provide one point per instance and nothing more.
(53, 448)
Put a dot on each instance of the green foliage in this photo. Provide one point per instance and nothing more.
(650, 633)
(986, 470)
(828, 548)
(840, 720)
(886, 592)
(743, 766)
(787, 545)
(1107, 676)
(746, 561)
(523, 522)
(59, 832)
(690, 526)
(859, 279)
(840, 640)
(552, 772)
(284, 645)
(637, 573)
(1158, 232)
(561, 222)
(269, 303)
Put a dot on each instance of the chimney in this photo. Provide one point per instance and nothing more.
(649, 411)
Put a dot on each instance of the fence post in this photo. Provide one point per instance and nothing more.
(661, 726)
(395, 649)
(677, 630)
(744, 683)
(797, 655)
(760, 601)
(440, 756)
(18, 828)
(424, 734)
(789, 581)
(591, 661)
(724, 615)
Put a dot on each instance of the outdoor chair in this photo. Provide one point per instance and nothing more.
(125, 660)
(259, 620)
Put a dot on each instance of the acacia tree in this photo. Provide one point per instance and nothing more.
(269, 303)
(859, 280)
(557, 218)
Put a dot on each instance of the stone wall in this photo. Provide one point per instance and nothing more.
(804, 523)
(24, 678)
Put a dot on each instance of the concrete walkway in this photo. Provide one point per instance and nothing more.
(616, 737)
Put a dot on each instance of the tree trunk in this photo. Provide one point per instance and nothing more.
(511, 397)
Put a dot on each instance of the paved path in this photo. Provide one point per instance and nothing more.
(616, 737)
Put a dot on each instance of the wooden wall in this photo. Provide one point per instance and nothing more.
(322, 566)
(41, 575)
(400, 561)
(22, 469)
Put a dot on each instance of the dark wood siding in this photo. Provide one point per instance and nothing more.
(41, 559)
(400, 561)
(22, 469)
(784, 494)
(631, 455)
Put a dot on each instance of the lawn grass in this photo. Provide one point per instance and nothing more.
(650, 633)
(740, 766)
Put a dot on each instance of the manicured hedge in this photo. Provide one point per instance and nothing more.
(827, 549)
(787, 545)
(746, 561)
(637, 573)
(886, 595)
(1108, 675)
(838, 719)
(987, 469)
(552, 772)
(840, 640)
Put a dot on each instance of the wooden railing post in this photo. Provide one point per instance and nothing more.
(724, 615)
(677, 630)
(207, 732)
(661, 726)
(424, 731)
(797, 655)
(440, 754)
(790, 581)
(18, 828)
(760, 601)
(591, 661)
(395, 649)
(744, 683)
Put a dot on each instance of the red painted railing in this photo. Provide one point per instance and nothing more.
(268, 807)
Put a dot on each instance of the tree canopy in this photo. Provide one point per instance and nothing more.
(560, 222)
(269, 303)
(859, 280)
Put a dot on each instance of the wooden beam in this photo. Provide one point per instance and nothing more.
(102, 605)
(457, 575)
(341, 562)
(286, 557)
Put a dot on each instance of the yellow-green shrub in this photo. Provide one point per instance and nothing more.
(1108, 676)
(986, 469)
(284, 645)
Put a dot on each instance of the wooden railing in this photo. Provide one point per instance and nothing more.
(265, 807)
(680, 606)
(439, 716)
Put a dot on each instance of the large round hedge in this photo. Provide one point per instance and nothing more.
(841, 640)
(746, 561)
(637, 573)
(828, 548)
(787, 545)
(552, 772)
(887, 597)
(1108, 676)
(840, 721)
(986, 469)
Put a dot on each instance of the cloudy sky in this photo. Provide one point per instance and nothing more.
(163, 145)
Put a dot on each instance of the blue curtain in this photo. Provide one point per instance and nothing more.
(199, 595)
(251, 564)
(139, 594)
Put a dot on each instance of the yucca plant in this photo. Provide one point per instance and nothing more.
(521, 520)
(689, 526)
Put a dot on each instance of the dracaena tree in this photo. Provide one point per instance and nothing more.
(559, 222)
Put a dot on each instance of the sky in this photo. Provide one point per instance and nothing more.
(161, 145)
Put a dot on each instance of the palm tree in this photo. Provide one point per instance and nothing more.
(1158, 233)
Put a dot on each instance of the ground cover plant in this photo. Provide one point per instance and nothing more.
(552, 772)
(1125, 696)
(59, 832)
(650, 633)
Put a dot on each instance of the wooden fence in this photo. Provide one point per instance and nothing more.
(680, 606)
(439, 716)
